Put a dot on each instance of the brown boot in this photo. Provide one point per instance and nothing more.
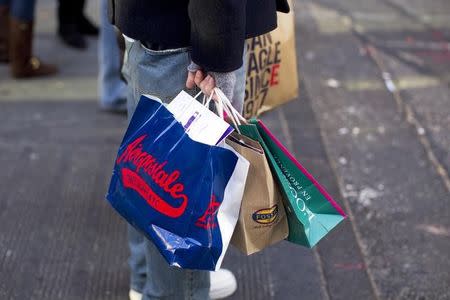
(23, 64)
(4, 34)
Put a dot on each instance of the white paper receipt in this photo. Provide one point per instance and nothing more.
(201, 124)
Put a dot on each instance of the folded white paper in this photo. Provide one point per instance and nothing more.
(201, 124)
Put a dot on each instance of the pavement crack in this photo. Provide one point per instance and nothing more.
(341, 187)
(358, 31)
(410, 117)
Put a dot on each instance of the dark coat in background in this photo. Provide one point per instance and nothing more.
(215, 29)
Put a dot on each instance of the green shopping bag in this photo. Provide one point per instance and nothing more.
(311, 211)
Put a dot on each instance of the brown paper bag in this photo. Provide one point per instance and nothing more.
(271, 63)
(262, 218)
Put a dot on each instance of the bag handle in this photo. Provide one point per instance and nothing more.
(206, 101)
(227, 103)
(223, 104)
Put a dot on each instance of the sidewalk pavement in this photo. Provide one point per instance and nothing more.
(382, 155)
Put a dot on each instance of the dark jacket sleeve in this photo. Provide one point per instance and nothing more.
(217, 33)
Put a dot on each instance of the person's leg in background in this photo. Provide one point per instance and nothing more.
(112, 88)
(4, 30)
(73, 24)
(85, 26)
(68, 11)
(16, 39)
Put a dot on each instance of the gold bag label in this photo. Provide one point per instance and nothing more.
(266, 215)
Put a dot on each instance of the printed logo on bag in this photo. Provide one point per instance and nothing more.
(300, 195)
(208, 219)
(167, 181)
(266, 216)
(263, 67)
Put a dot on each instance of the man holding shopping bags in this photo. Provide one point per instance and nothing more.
(170, 45)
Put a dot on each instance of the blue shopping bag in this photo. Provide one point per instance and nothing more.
(181, 194)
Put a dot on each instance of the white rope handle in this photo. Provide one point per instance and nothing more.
(235, 121)
(219, 105)
(198, 94)
(223, 104)
(227, 103)
(232, 113)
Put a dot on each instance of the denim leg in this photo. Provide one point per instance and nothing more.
(137, 261)
(23, 9)
(112, 89)
(162, 74)
(172, 283)
(136, 242)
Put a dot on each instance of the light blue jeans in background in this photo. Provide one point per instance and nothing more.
(112, 89)
(162, 74)
(21, 9)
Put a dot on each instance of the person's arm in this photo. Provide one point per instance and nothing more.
(223, 80)
(217, 40)
(217, 33)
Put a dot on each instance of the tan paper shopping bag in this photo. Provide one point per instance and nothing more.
(262, 219)
(271, 62)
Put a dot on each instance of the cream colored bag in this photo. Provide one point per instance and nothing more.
(272, 77)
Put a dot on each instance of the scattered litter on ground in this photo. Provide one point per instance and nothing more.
(370, 137)
(351, 110)
(434, 229)
(343, 131)
(333, 83)
(356, 131)
(33, 156)
(342, 160)
(420, 131)
(366, 195)
(37, 117)
(310, 55)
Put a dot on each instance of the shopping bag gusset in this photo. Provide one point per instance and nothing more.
(311, 212)
(181, 194)
(262, 219)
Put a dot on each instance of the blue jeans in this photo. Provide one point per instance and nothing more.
(162, 74)
(112, 89)
(21, 9)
